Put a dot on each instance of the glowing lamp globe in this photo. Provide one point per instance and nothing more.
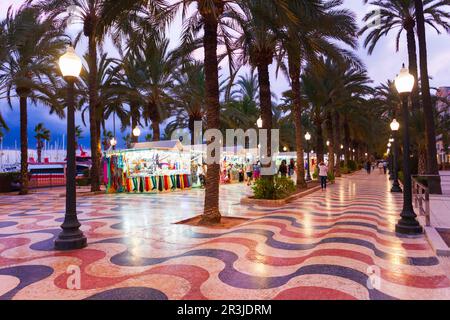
(70, 63)
(404, 81)
(113, 142)
(328, 143)
(285, 149)
(342, 146)
(136, 132)
(308, 136)
(389, 145)
(259, 123)
(395, 126)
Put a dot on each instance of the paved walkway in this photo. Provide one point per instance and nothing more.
(337, 244)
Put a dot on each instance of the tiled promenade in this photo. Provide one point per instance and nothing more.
(337, 244)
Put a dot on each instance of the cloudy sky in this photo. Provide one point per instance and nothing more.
(382, 65)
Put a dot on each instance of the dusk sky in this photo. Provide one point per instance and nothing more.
(382, 65)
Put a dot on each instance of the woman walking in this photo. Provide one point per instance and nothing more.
(323, 174)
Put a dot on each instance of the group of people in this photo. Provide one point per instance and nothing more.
(288, 170)
(381, 165)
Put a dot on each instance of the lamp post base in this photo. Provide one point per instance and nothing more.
(66, 242)
(408, 225)
(396, 189)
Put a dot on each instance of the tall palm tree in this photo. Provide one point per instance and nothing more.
(88, 14)
(320, 24)
(400, 16)
(208, 16)
(33, 44)
(157, 65)
(440, 17)
(258, 42)
(188, 97)
(41, 134)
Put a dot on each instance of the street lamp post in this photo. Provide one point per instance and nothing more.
(408, 223)
(71, 237)
(308, 172)
(395, 126)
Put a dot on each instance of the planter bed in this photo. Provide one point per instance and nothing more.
(314, 187)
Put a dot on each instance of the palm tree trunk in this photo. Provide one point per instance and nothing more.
(99, 149)
(330, 134)
(422, 167)
(412, 57)
(211, 213)
(346, 140)
(39, 150)
(337, 143)
(191, 126)
(319, 141)
(294, 73)
(156, 130)
(430, 130)
(266, 107)
(23, 147)
(93, 103)
(134, 121)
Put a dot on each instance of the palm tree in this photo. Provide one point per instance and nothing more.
(78, 136)
(440, 17)
(258, 42)
(87, 13)
(188, 97)
(401, 15)
(34, 42)
(320, 25)
(41, 134)
(157, 66)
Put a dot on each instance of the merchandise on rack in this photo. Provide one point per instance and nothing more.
(149, 170)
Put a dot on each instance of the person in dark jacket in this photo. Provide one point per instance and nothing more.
(283, 170)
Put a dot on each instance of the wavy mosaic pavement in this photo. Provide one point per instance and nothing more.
(338, 244)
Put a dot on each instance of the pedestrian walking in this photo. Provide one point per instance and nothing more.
(283, 170)
(323, 174)
(385, 165)
(380, 167)
(249, 172)
(368, 167)
(257, 171)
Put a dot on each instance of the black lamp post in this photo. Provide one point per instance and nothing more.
(71, 237)
(395, 126)
(308, 172)
(408, 223)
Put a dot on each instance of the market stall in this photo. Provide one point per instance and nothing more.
(148, 168)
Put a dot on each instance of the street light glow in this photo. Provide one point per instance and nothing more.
(70, 63)
(404, 81)
(136, 131)
(395, 125)
(308, 136)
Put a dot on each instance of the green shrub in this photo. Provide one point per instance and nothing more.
(279, 188)
(331, 177)
(316, 173)
(352, 166)
(83, 182)
(7, 179)
(14, 176)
